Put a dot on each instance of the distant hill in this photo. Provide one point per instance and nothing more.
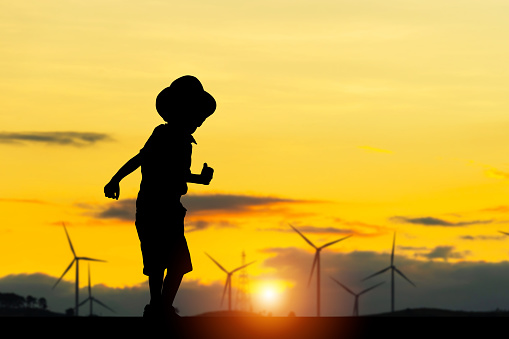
(228, 314)
(435, 312)
(27, 312)
(411, 313)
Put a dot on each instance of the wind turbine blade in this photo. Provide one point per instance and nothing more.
(67, 269)
(241, 267)
(70, 243)
(504, 233)
(335, 241)
(302, 235)
(225, 288)
(401, 274)
(221, 267)
(369, 289)
(315, 260)
(393, 245)
(90, 259)
(340, 284)
(377, 273)
(83, 302)
(100, 303)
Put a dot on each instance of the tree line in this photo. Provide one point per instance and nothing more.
(12, 300)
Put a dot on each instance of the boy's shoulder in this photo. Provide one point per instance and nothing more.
(160, 128)
(167, 133)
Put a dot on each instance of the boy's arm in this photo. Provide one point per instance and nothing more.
(203, 178)
(112, 189)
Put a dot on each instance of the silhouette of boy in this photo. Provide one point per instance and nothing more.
(165, 162)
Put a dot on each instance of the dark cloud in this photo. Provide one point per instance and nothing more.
(412, 248)
(54, 138)
(200, 225)
(469, 286)
(232, 202)
(193, 298)
(344, 227)
(310, 229)
(445, 253)
(481, 237)
(24, 201)
(431, 221)
(125, 209)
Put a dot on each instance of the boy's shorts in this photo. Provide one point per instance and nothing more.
(163, 244)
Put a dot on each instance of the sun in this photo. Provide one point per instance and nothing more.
(269, 294)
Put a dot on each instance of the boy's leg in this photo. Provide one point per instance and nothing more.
(171, 285)
(155, 283)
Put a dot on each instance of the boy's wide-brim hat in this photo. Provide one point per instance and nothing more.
(185, 95)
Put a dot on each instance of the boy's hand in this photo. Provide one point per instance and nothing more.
(112, 190)
(206, 174)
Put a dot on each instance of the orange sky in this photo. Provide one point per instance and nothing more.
(361, 117)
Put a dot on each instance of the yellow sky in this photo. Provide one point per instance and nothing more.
(367, 110)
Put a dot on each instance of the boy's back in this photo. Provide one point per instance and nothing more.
(165, 164)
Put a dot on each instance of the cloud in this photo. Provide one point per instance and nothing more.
(197, 205)
(444, 252)
(310, 229)
(481, 237)
(54, 138)
(193, 297)
(431, 221)
(24, 201)
(122, 210)
(200, 225)
(470, 286)
(497, 174)
(357, 226)
(232, 202)
(500, 209)
(412, 248)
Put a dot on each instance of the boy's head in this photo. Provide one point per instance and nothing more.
(185, 101)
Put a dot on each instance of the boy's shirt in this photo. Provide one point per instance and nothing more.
(165, 165)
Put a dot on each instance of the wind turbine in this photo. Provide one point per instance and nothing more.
(228, 283)
(356, 295)
(77, 260)
(91, 298)
(393, 269)
(316, 262)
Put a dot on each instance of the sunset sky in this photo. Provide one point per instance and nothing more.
(337, 117)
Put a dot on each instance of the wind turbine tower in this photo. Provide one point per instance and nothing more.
(228, 283)
(77, 260)
(356, 295)
(316, 262)
(91, 298)
(393, 269)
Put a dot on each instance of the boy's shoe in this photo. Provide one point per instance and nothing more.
(151, 312)
(174, 314)
(171, 314)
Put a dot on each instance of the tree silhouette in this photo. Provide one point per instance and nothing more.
(11, 300)
(30, 301)
(43, 304)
